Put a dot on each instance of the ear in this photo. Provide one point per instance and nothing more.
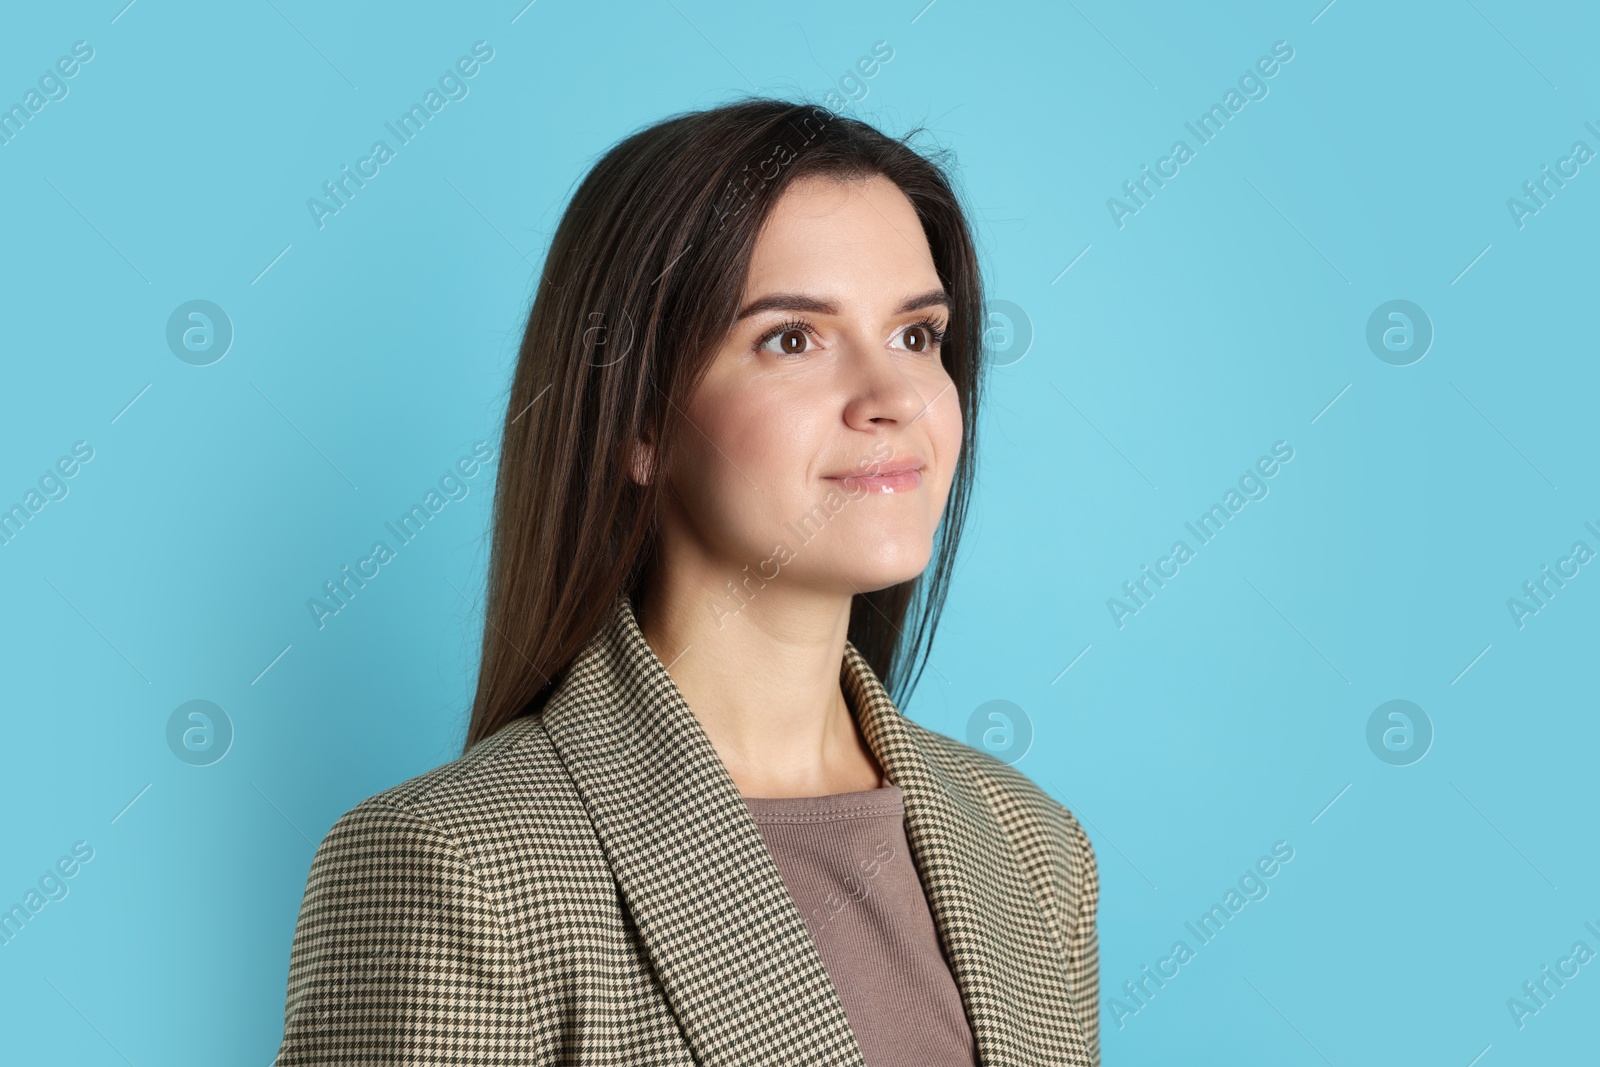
(641, 461)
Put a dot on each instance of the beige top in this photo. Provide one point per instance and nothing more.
(848, 865)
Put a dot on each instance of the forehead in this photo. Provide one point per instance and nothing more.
(854, 236)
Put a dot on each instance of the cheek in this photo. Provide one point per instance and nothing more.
(745, 453)
(953, 421)
(945, 428)
(942, 428)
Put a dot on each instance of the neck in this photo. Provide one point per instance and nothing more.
(763, 678)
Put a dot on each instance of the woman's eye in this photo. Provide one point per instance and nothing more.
(788, 341)
(922, 337)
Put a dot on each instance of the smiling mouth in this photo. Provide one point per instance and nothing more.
(900, 481)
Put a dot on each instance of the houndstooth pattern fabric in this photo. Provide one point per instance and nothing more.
(587, 887)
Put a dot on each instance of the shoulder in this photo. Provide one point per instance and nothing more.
(506, 802)
(405, 939)
(1043, 831)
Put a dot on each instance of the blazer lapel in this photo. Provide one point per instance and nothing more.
(1007, 959)
(732, 953)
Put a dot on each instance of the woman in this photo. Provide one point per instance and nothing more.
(690, 825)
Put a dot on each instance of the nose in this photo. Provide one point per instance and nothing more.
(878, 391)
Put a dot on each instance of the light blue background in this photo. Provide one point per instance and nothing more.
(1228, 314)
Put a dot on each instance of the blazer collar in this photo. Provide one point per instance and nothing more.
(728, 944)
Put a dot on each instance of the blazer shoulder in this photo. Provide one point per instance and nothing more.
(507, 787)
(404, 943)
(1045, 833)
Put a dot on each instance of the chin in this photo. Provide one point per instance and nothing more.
(871, 584)
(880, 564)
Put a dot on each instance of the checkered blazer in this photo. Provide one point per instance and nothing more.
(587, 887)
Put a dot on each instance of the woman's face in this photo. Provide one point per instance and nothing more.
(831, 369)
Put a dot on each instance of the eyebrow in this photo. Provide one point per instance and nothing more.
(806, 302)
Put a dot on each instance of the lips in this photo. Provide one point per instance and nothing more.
(884, 483)
(894, 476)
(874, 469)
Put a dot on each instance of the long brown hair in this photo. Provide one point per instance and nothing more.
(641, 284)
